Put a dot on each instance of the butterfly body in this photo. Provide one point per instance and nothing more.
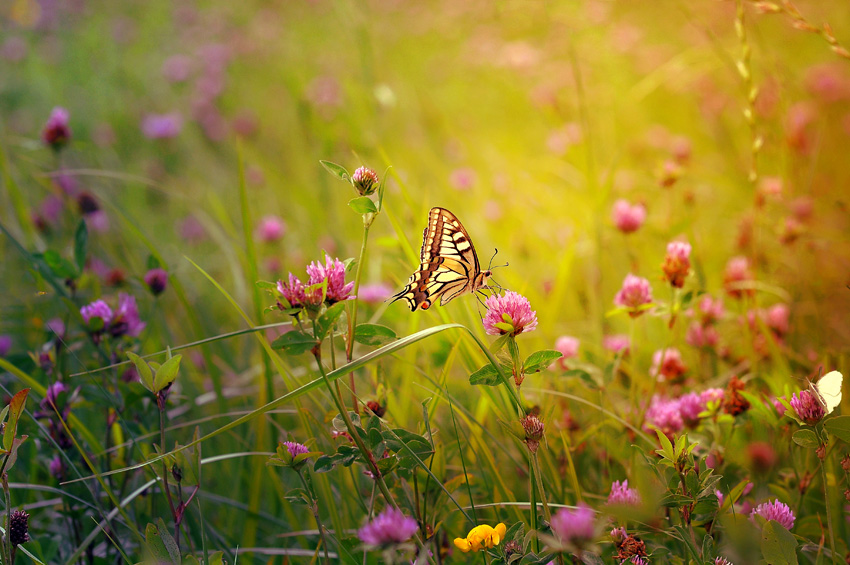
(448, 264)
(828, 390)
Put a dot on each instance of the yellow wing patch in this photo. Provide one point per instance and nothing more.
(448, 264)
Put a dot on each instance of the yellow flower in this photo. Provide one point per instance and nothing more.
(481, 537)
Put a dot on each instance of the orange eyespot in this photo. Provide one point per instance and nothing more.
(425, 305)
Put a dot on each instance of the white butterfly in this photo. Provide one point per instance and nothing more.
(828, 390)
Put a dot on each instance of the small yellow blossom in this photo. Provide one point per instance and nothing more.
(481, 537)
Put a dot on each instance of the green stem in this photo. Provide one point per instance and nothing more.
(828, 510)
(533, 499)
(314, 507)
(165, 472)
(367, 455)
(352, 317)
(7, 541)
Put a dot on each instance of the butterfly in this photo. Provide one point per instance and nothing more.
(828, 390)
(448, 264)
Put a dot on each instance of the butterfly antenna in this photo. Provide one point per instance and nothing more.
(489, 267)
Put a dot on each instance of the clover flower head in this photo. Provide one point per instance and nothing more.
(365, 180)
(628, 218)
(271, 228)
(807, 407)
(667, 364)
(56, 132)
(775, 510)
(481, 537)
(690, 406)
(622, 494)
(677, 263)
(157, 280)
(162, 126)
(293, 291)
(665, 415)
(634, 293)
(295, 449)
(97, 309)
(374, 293)
(333, 271)
(616, 343)
(509, 313)
(390, 527)
(737, 271)
(126, 320)
(574, 527)
(5, 344)
(711, 309)
(567, 346)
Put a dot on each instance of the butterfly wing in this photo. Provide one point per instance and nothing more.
(448, 263)
(829, 390)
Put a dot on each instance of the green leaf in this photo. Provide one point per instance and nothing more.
(267, 285)
(778, 546)
(806, 438)
(60, 266)
(160, 544)
(676, 500)
(540, 360)
(327, 319)
(500, 342)
(294, 343)
(16, 407)
(839, 427)
(374, 334)
(167, 373)
(486, 375)
(81, 239)
(363, 205)
(170, 544)
(667, 447)
(144, 370)
(336, 170)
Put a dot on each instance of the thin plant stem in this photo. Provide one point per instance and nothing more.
(314, 507)
(8, 551)
(352, 317)
(367, 455)
(165, 472)
(828, 510)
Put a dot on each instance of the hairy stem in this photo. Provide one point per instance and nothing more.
(352, 315)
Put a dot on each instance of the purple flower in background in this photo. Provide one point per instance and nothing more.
(365, 181)
(622, 494)
(626, 217)
(664, 415)
(192, 230)
(807, 407)
(634, 293)
(463, 178)
(271, 228)
(55, 327)
(14, 49)
(374, 293)
(162, 126)
(389, 527)
(509, 313)
(177, 68)
(333, 271)
(57, 468)
(616, 343)
(567, 346)
(97, 309)
(777, 511)
(710, 309)
(712, 395)
(157, 280)
(722, 561)
(97, 221)
(126, 320)
(690, 406)
(5, 344)
(56, 132)
(51, 398)
(574, 527)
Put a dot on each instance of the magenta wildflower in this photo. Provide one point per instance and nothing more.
(710, 309)
(808, 407)
(51, 397)
(677, 263)
(333, 271)
(463, 178)
(162, 126)
(777, 511)
(55, 327)
(690, 406)
(777, 319)
(616, 343)
(177, 68)
(664, 414)
(295, 449)
(780, 408)
(293, 292)
(509, 313)
(56, 132)
(126, 320)
(626, 217)
(365, 181)
(700, 335)
(623, 495)
(568, 347)
(574, 527)
(5, 344)
(97, 309)
(638, 560)
(388, 528)
(737, 272)
(634, 294)
(722, 561)
(157, 280)
(57, 468)
(374, 293)
(712, 395)
(672, 368)
(271, 228)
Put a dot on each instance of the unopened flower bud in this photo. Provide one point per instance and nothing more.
(19, 528)
(534, 428)
(365, 181)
